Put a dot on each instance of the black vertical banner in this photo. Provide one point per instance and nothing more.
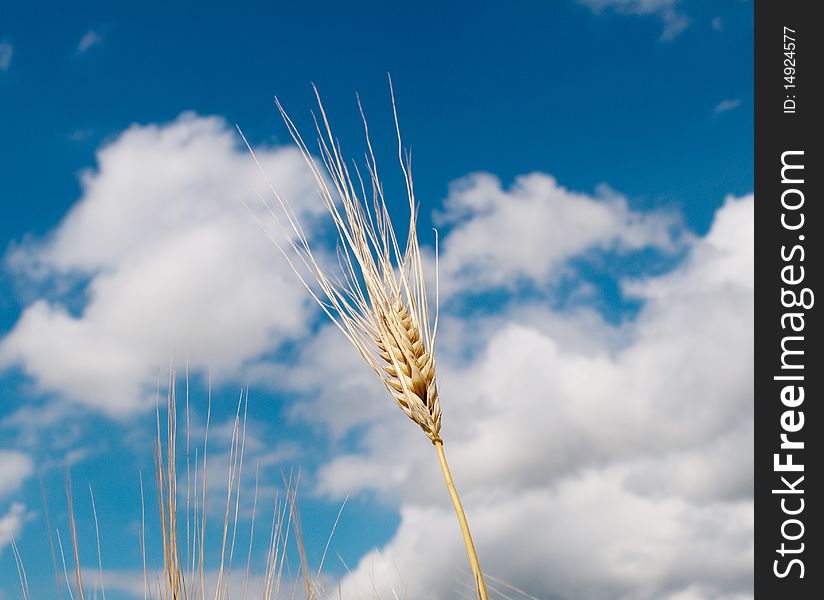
(789, 374)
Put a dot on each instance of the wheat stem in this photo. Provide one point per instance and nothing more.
(456, 502)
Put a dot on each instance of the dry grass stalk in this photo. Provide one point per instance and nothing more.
(21, 569)
(379, 300)
(183, 575)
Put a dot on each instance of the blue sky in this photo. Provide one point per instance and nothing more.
(618, 133)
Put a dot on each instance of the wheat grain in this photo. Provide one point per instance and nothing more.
(379, 299)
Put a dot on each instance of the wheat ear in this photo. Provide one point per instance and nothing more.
(379, 300)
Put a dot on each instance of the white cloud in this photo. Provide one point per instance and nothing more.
(589, 469)
(11, 524)
(175, 265)
(15, 468)
(674, 20)
(727, 105)
(237, 585)
(587, 538)
(595, 460)
(6, 52)
(90, 39)
(498, 238)
(355, 396)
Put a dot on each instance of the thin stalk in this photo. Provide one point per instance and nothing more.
(456, 502)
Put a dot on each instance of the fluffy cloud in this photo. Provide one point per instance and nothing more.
(168, 260)
(595, 459)
(15, 468)
(11, 523)
(499, 238)
(601, 470)
(588, 537)
(236, 583)
(674, 20)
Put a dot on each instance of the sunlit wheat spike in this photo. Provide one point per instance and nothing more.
(409, 370)
(379, 298)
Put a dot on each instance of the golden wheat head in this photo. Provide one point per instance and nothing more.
(378, 299)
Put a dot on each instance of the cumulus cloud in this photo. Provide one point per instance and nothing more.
(498, 238)
(131, 583)
(673, 18)
(595, 459)
(588, 538)
(600, 470)
(168, 261)
(15, 469)
(6, 52)
(12, 523)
